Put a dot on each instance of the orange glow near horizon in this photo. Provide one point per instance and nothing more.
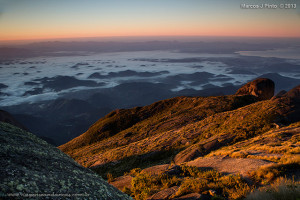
(228, 29)
(212, 31)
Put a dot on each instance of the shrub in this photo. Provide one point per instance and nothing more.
(282, 189)
(239, 154)
(145, 184)
(267, 174)
(201, 181)
(110, 177)
(234, 187)
(191, 185)
(127, 191)
(135, 171)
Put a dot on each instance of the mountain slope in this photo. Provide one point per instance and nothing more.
(195, 133)
(165, 113)
(124, 128)
(178, 129)
(277, 145)
(30, 166)
(231, 172)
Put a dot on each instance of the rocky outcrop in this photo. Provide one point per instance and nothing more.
(167, 169)
(293, 94)
(164, 194)
(189, 154)
(202, 148)
(279, 94)
(30, 167)
(122, 182)
(194, 196)
(262, 88)
(157, 169)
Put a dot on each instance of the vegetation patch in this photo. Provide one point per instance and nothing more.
(281, 189)
(267, 174)
(190, 180)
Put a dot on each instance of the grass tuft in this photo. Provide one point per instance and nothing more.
(281, 189)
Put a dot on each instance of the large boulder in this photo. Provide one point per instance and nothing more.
(31, 167)
(262, 88)
(189, 154)
(204, 147)
(122, 181)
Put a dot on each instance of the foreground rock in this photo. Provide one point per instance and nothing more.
(31, 167)
(122, 182)
(157, 169)
(262, 88)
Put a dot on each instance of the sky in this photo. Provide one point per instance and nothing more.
(46, 19)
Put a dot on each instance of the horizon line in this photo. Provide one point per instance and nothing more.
(144, 36)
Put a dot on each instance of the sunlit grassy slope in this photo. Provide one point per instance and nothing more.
(189, 132)
(144, 136)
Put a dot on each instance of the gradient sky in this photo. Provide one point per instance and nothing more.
(43, 19)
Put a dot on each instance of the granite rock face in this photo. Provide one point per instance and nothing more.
(30, 167)
(262, 88)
